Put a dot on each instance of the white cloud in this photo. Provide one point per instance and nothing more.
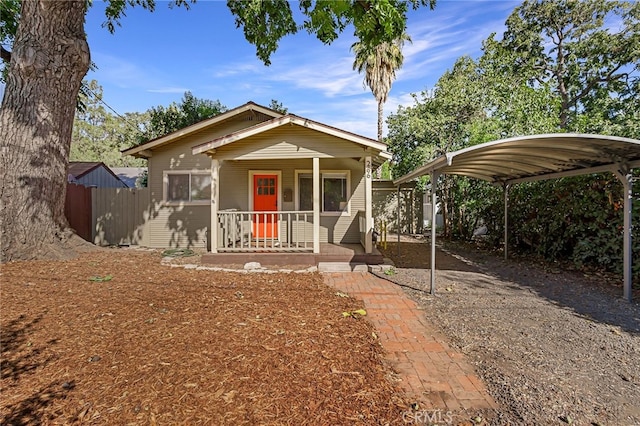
(121, 73)
(168, 90)
(331, 77)
(392, 104)
(237, 69)
(438, 41)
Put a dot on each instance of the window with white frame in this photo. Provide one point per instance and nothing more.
(305, 191)
(334, 191)
(187, 187)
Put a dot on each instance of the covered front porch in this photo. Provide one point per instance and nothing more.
(330, 209)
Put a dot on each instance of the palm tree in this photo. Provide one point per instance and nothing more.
(379, 64)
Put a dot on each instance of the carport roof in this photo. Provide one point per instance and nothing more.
(537, 157)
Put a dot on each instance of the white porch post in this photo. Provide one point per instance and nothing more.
(215, 203)
(316, 205)
(368, 202)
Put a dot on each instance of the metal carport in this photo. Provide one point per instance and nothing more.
(539, 157)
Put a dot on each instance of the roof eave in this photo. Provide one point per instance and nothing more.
(423, 170)
(249, 106)
(290, 119)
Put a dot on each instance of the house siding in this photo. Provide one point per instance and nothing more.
(233, 124)
(187, 225)
(290, 142)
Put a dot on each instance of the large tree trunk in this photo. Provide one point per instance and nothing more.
(49, 59)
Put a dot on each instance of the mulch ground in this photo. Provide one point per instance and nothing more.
(114, 337)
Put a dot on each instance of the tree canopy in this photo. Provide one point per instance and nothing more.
(265, 23)
(190, 110)
(584, 50)
(278, 106)
(379, 65)
(9, 17)
(100, 135)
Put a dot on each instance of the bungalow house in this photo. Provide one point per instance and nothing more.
(252, 180)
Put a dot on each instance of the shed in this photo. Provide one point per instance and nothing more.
(97, 174)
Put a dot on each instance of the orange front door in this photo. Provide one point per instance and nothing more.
(265, 198)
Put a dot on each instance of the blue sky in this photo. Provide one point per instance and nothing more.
(153, 58)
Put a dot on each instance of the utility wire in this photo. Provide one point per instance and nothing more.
(99, 98)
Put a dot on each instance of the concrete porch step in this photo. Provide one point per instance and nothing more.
(342, 267)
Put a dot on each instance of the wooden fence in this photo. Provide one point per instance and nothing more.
(77, 209)
(108, 216)
(385, 207)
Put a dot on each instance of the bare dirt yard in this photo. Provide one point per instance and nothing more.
(115, 337)
(553, 346)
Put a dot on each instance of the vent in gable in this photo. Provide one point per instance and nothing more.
(256, 116)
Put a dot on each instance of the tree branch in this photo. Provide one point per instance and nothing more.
(5, 54)
(607, 77)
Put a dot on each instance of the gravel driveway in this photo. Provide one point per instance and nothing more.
(553, 347)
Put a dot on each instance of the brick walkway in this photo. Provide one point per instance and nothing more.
(433, 373)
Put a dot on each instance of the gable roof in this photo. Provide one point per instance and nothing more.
(77, 169)
(295, 120)
(138, 151)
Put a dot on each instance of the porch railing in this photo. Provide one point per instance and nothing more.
(277, 231)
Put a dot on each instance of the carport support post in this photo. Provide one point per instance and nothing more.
(506, 220)
(626, 178)
(434, 180)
